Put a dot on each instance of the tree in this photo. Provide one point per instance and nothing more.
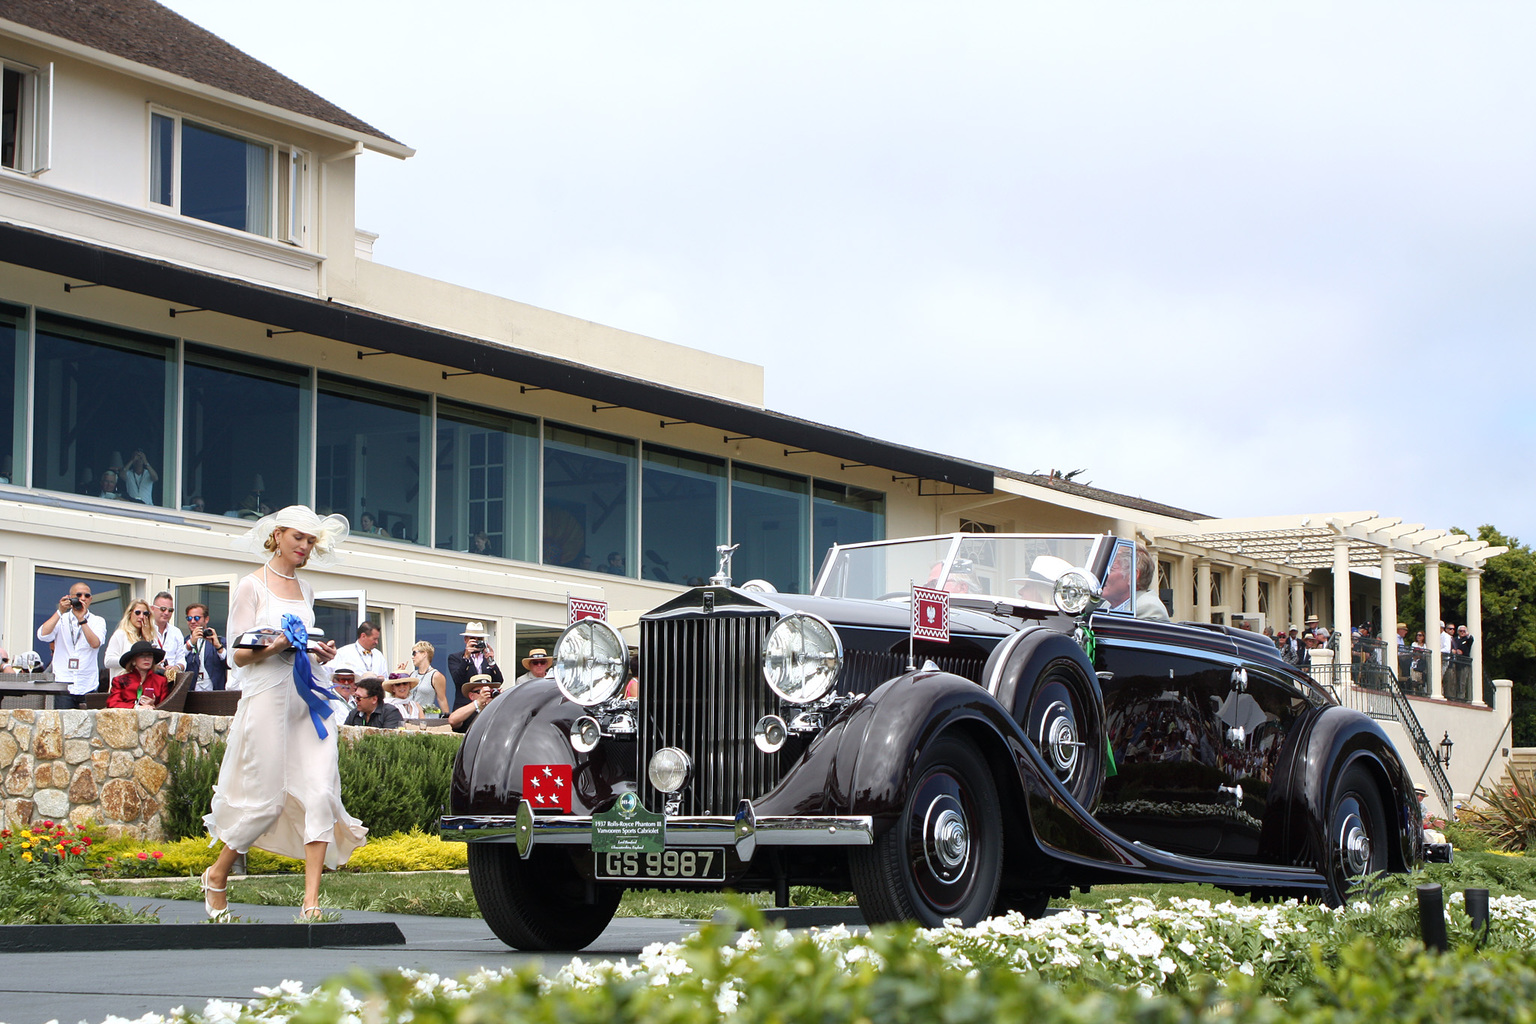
(1509, 619)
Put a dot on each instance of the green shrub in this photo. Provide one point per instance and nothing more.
(398, 782)
(392, 782)
(1507, 815)
(189, 790)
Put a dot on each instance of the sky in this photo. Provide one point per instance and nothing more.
(1241, 259)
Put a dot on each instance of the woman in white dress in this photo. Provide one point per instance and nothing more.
(278, 786)
(138, 624)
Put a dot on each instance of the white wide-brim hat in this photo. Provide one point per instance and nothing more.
(474, 629)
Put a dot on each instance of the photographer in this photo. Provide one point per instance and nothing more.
(75, 634)
(205, 651)
(477, 694)
(139, 479)
(478, 659)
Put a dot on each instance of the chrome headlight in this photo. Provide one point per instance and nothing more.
(669, 769)
(1075, 591)
(803, 658)
(591, 661)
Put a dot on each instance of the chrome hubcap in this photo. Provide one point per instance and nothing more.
(1355, 845)
(947, 844)
(1059, 740)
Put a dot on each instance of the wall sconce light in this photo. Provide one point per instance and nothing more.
(1446, 743)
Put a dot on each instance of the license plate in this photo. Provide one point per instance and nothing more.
(673, 865)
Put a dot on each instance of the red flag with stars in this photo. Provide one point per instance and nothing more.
(547, 786)
(930, 614)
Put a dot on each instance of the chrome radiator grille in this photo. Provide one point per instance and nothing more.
(702, 691)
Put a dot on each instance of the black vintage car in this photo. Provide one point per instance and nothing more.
(1066, 735)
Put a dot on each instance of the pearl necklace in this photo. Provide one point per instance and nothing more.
(282, 574)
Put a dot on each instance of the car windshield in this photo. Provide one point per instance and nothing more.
(1014, 567)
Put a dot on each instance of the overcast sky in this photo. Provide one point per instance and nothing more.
(1243, 259)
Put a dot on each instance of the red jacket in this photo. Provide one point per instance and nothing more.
(125, 689)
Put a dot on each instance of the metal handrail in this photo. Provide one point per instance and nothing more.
(1376, 683)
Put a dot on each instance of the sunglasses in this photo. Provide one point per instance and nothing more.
(139, 613)
(194, 618)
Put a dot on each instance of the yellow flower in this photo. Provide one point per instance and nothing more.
(26, 856)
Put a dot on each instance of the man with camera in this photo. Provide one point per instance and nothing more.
(477, 694)
(204, 651)
(478, 658)
(76, 634)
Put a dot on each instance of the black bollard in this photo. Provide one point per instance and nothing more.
(1477, 910)
(1432, 917)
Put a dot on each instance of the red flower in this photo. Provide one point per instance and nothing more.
(157, 855)
(47, 824)
(142, 855)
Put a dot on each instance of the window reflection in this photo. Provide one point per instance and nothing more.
(682, 516)
(844, 514)
(242, 421)
(770, 519)
(101, 395)
(369, 457)
(588, 500)
(487, 482)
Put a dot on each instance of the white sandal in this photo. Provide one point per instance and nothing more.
(214, 913)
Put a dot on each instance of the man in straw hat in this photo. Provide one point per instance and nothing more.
(537, 663)
(477, 693)
(478, 658)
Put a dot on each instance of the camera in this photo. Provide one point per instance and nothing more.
(476, 644)
(207, 632)
(76, 603)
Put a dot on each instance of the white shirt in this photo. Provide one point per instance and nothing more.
(174, 644)
(201, 654)
(1445, 642)
(74, 659)
(138, 486)
(364, 663)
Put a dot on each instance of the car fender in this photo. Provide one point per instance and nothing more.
(1331, 740)
(528, 724)
(1021, 658)
(860, 763)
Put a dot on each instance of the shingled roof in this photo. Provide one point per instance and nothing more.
(147, 33)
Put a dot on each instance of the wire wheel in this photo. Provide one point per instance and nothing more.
(1066, 724)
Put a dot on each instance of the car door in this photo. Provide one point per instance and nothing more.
(1255, 721)
(1163, 686)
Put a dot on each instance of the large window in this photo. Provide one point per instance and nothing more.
(589, 500)
(371, 451)
(24, 118)
(843, 514)
(224, 178)
(487, 482)
(770, 519)
(245, 434)
(682, 515)
(13, 368)
(100, 401)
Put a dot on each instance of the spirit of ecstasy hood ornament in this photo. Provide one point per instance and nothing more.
(723, 577)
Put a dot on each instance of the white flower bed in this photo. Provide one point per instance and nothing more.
(1134, 943)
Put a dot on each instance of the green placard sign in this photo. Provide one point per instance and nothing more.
(628, 827)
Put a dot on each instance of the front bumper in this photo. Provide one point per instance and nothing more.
(744, 832)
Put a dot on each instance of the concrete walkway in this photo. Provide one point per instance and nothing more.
(72, 987)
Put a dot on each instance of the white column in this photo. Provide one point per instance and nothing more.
(1298, 603)
(1475, 628)
(1432, 628)
(1202, 590)
(1389, 609)
(1250, 590)
(1341, 591)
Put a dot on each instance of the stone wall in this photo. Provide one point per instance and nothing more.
(103, 766)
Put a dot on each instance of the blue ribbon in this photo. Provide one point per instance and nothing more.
(316, 696)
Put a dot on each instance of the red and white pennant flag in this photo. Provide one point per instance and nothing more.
(547, 786)
(930, 614)
(578, 608)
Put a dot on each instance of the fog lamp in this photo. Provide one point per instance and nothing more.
(770, 734)
(585, 734)
(669, 769)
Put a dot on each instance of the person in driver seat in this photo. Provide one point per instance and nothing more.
(1148, 604)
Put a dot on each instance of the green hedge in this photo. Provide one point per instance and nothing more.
(392, 782)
